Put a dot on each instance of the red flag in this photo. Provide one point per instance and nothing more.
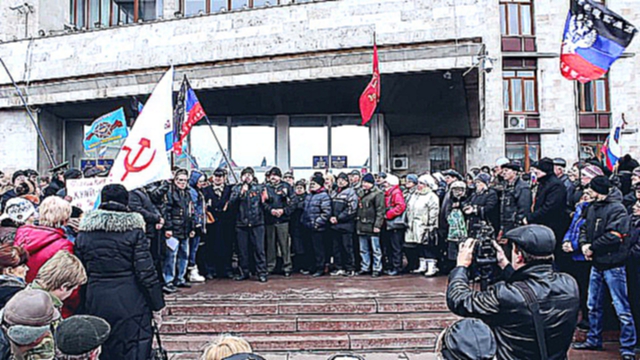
(371, 94)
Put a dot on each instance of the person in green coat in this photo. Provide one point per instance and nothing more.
(371, 212)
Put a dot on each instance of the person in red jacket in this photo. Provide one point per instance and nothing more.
(46, 239)
(393, 235)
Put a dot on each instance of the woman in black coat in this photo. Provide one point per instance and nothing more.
(123, 286)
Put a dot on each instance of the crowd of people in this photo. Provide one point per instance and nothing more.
(112, 264)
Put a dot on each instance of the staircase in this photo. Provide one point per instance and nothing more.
(307, 320)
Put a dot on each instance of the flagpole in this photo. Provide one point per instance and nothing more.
(221, 149)
(47, 150)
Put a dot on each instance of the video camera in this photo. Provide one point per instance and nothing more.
(484, 253)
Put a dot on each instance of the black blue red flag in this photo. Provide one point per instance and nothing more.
(187, 113)
(594, 38)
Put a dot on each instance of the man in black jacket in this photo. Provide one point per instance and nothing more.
(515, 202)
(549, 207)
(344, 204)
(248, 198)
(277, 209)
(503, 306)
(604, 241)
(140, 202)
(218, 241)
(180, 229)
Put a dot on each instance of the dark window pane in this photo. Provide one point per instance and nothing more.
(439, 157)
(147, 10)
(72, 11)
(587, 90)
(458, 158)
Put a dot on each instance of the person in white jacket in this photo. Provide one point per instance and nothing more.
(420, 239)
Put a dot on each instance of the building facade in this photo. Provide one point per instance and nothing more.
(463, 81)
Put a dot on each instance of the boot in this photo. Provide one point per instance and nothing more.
(194, 276)
(432, 270)
(422, 268)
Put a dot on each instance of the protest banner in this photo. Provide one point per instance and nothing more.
(84, 192)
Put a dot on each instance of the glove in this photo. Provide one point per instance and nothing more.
(157, 318)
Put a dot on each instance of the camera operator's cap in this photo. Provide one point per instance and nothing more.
(560, 162)
(469, 339)
(536, 240)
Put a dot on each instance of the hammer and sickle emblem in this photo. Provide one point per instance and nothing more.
(130, 166)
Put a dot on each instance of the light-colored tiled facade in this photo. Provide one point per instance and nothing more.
(295, 42)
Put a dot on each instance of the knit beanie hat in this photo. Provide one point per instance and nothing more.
(368, 178)
(247, 170)
(412, 178)
(343, 176)
(484, 178)
(115, 193)
(600, 184)
(318, 179)
(392, 180)
(276, 171)
(591, 171)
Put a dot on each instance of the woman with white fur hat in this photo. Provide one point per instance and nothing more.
(422, 221)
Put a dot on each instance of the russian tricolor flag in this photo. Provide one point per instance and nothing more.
(594, 38)
(612, 148)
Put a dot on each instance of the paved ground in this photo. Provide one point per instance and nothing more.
(300, 287)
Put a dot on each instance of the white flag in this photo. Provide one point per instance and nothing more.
(143, 157)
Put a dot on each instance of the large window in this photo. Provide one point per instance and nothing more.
(594, 96)
(524, 148)
(91, 14)
(196, 7)
(590, 145)
(516, 17)
(253, 142)
(519, 91)
(203, 145)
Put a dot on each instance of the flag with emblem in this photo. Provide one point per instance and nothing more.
(143, 157)
(371, 94)
(187, 113)
(594, 38)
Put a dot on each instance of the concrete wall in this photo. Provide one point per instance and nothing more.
(416, 147)
(19, 141)
(52, 128)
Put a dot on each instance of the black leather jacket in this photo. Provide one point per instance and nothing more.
(278, 197)
(515, 204)
(179, 213)
(248, 205)
(502, 306)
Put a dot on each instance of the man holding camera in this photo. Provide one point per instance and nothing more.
(534, 311)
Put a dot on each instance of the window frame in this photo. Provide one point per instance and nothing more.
(509, 80)
(504, 22)
(529, 140)
(594, 96)
(250, 5)
(114, 13)
(452, 159)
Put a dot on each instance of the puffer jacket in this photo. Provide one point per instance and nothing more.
(515, 204)
(249, 212)
(422, 215)
(344, 205)
(573, 234)
(278, 197)
(197, 198)
(394, 202)
(371, 211)
(179, 213)
(502, 307)
(317, 210)
(123, 286)
(606, 228)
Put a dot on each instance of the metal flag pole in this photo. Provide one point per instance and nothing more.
(226, 159)
(47, 150)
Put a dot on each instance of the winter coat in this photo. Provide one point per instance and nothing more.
(179, 213)
(6, 197)
(486, 209)
(606, 229)
(634, 243)
(394, 202)
(371, 211)
(422, 215)
(278, 197)
(573, 234)
(316, 211)
(42, 242)
(568, 185)
(249, 212)
(295, 225)
(9, 286)
(123, 286)
(217, 203)
(502, 307)
(197, 198)
(549, 207)
(344, 205)
(629, 200)
(515, 204)
(158, 194)
(140, 202)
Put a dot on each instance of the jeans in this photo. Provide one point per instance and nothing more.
(194, 243)
(251, 240)
(181, 255)
(368, 244)
(278, 236)
(616, 280)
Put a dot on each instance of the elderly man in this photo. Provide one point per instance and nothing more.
(81, 337)
(534, 311)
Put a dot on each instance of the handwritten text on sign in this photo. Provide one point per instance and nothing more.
(84, 192)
